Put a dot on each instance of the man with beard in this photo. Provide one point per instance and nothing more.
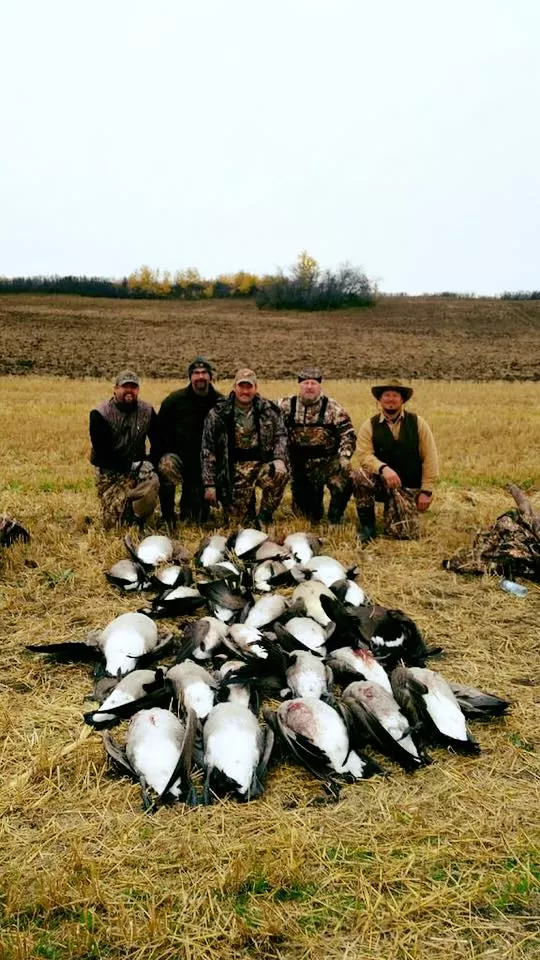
(321, 443)
(180, 420)
(244, 446)
(127, 484)
(399, 465)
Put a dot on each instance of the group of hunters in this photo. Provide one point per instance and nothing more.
(220, 449)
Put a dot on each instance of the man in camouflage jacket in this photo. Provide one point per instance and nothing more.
(321, 443)
(244, 446)
(127, 483)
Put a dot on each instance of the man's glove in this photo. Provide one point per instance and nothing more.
(280, 468)
(210, 495)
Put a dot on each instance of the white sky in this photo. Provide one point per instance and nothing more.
(399, 135)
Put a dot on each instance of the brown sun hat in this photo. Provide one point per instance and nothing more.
(397, 385)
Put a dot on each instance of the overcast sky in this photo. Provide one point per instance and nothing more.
(399, 135)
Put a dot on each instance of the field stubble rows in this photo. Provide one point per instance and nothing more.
(442, 863)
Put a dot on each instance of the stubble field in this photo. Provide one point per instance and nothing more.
(442, 863)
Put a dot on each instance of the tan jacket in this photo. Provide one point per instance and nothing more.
(426, 443)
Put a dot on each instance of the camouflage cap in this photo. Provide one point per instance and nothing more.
(200, 363)
(379, 389)
(245, 375)
(125, 377)
(309, 373)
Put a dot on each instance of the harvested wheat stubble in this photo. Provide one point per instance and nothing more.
(440, 863)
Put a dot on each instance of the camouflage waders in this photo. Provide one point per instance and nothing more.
(400, 512)
(248, 475)
(127, 498)
(193, 506)
(308, 482)
(509, 547)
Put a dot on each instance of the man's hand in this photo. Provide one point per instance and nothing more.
(280, 468)
(210, 495)
(423, 501)
(390, 478)
(345, 464)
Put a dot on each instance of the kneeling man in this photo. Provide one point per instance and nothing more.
(399, 465)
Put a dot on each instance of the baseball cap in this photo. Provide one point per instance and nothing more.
(245, 375)
(127, 376)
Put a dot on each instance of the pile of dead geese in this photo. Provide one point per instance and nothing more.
(257, 650)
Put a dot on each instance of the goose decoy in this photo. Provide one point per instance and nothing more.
(236, 752)
(427, 701)
(157, 754)
(125, 644)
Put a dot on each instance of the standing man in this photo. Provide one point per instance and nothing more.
(244, 446)
(127, 484)
(181, 419)
(399, 465)
(321, 443)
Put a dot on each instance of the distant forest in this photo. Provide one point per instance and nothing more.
(306, 287)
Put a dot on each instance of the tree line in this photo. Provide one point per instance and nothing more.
(305, 286)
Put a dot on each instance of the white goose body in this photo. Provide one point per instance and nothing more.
(323, 726)
(125, 639)
(233, 743)
(194, 686)
(154, 742)
(442, 704)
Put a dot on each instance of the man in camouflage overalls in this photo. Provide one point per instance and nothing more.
(321, 443)
(244, 446)
(127, 483)
(398, 465)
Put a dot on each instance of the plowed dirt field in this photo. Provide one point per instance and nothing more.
(419, 337)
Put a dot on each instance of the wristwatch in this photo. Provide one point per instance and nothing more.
(382, 467)
(427, 493)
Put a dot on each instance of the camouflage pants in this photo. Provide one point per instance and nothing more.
(509, 547)
(173, 472)
(127, 497)
(400, 512)
(248, 475)
(308, 482)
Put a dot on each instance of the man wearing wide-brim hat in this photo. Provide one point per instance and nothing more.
(322, 441)
(399, 465)
(127, 483)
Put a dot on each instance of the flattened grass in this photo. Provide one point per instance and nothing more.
(442, 863)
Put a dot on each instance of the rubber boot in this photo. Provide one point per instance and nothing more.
(366, 529)
(338, 502)
(166, 501)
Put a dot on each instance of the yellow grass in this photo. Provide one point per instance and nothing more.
(440, 864)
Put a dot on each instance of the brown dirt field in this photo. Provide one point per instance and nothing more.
(426, 337)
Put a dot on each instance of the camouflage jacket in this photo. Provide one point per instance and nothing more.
(317, 430)
(218, 442)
